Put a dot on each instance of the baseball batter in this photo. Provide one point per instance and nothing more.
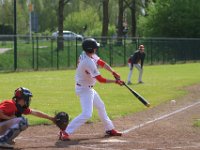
(11, 120)
(86, 75)
(136, 60)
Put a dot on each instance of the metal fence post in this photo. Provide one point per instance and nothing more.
(33, 55)
(57, 58)
(151, 52)
(51, 53)
(76, 52)
(110, 51)
(68, 54)
(15, 35)
(163, 53)
(124, 50)
(37, 49)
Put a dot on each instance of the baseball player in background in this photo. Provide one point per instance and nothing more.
(86, 75)
(11, 120)
(136, 60)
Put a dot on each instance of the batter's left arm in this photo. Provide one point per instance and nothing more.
(104, 65)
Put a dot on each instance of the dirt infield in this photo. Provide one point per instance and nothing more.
(165, 127)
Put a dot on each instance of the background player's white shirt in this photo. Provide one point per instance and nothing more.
(87, 70)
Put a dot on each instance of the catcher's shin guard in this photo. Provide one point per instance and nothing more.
(6, 145)
(14, 130)
(23, 124)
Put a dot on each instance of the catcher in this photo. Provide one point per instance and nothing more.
(11, 120)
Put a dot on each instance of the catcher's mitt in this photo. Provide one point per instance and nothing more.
(61, 120)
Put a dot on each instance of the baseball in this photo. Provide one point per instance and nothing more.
(173, 102)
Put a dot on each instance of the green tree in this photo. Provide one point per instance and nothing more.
(85, 17)
(120, 19)
(46, 10)
(22, 18)
(61, 5)
(171, 19)
(6, 12)
(105, 22)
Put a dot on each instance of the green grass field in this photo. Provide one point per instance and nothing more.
(196, 123)
(54, 90)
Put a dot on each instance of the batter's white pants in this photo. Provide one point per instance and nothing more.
(89, 98)
(138, 66)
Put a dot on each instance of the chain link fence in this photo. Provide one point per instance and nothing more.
(42, 52)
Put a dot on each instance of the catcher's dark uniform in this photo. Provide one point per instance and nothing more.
(136, 60)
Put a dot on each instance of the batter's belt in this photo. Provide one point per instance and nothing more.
(90, 86)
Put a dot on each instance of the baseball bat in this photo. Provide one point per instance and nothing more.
(138, 96)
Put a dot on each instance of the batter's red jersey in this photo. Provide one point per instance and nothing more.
(9, 108)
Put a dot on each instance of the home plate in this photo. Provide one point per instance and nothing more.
(113, 141)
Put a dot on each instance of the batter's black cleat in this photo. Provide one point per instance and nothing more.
(113, 133)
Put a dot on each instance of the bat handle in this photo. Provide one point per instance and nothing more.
(117, 78)
(125, 84)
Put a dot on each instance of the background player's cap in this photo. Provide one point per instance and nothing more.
(90, 44)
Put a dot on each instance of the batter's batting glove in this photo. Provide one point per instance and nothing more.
(120, 82)
(116, 75)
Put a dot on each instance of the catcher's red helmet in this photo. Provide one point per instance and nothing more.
(89, 45)
(23, 93)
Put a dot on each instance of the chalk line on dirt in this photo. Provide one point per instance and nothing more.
(96, 148)
(178, 147)
(159, 118)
